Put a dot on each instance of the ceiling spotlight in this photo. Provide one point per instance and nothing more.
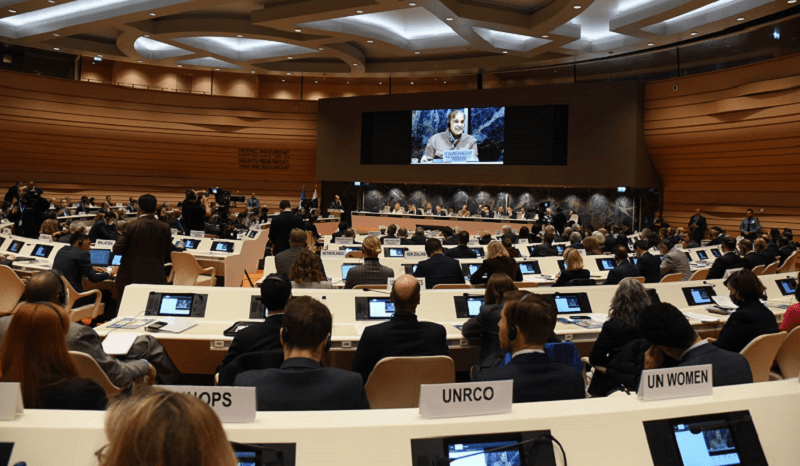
(56, 48)
(180, 66)
(152, 13)
(51, 1)
(12, 11)
(321, 49)
(505, 51)
(412, 4)
(740, 18)
(355, 64)
(57, 34)
(577, 7)
(141, 61)
(650, 44)
(370, 41)
(288, 74)
(412, 83)
(348, 82)
(146, 35)
(693, 34)
(416, 53)
(792, 1)
(100, 56)
(252, 72)
(444, 82)
(448, 19)
(298, 30)
(316, 82)
(239, 35)
(216, 69)
(283, 80)
(380, 84)
(359, 11)
(289, 58)
(545, 36)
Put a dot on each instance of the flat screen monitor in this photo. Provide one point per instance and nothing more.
(470, 269)
(699, 295)
(560, 248)
(571, 303)
(606, 264)
(191, 243)
(716, 252)
(252, 234)
(222, 246)
(530, 249)
(395, 252)
(2, 240)
(100, 257)
(15, 246)
(41, 250)
(349, 249)
(530, 268)
(410, 268)
(468, 305)
(380, 308)
(116, 260)
(702, 255)
(478, 251)
(480, 455)
(787, 286)
(179, 305)
(688, 256)
(346, 269)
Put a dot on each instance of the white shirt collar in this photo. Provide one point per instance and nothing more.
(527, 351)
(698, 344)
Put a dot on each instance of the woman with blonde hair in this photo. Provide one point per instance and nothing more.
(306, 272)
(574, 268)
(371, 272)
(34, 353)
(497, 260)
(162, 428)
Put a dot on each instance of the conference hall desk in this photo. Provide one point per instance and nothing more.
(200, 349)
(364, 222)
(594, 431)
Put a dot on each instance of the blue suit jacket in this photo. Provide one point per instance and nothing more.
(537, 378)
(302, 384)
(439, 269)
(623, 270)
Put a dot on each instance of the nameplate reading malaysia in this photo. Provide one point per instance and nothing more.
(676, 382)
(416, 254)
(333, 254)
(342, 240)
(45, 238)
(465, 399)
(456, 156)
(104, 242)
(232, 404)
(10, 401)
(391, 241)
(197, 234)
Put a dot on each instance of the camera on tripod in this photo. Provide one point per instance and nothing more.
(223, 198)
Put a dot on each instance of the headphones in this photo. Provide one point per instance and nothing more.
(512, 328)
(285, 337)
(64, 294)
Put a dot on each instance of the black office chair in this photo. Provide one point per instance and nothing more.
(249, 362)
(581, 282)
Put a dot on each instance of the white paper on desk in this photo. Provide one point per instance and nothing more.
(118, 344)
(725, 302)
(176, 326)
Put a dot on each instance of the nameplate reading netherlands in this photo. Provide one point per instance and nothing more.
(676, 382)
(465, 399)
(232, 404)
(332, 253)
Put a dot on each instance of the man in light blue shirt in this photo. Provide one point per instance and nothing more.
(750, 227)
(253, 202)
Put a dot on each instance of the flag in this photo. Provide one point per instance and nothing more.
(314, 200)
(302, 194)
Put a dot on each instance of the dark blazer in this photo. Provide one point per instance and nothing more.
(623, 270)
(559, 221)
(537, 378)
(419, 239)
(784, 253)
(752, 319)
(406, 242)
(101, 230)
(700, 232)
(613, 337)
(263, 336)
(544, 250)
(75, 264)
(461, 252)
(73, 394)
(729, 260)
(402, 335)
(728, 368)
(439, 269)
(752, 260)
(485, 240)
(387, 236)
(302, 384)
(609, 243)
(568, 275)
(514, 238)
(280, 228)
(451, 241)
(371, 272)
(649, 268)
(145, 246)
(284, 261)
(506, 265)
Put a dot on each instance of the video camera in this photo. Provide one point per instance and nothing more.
(223, 198)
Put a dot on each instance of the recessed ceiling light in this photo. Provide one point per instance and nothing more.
(448, 19)
(216, 69)
(289, 58)
(99, 55)
(792, 1)
(380, 84)
(316, 82)
(12, 11)
(412, 83)
(321, 49)
(650, 44)
(252, 72)
(740, 18)
(56, 48)
(359, 11)
(288, 74)
(577, 7)
(57, 34)
(355, 64)
(51, 1)
(412, 4)
(505, 51)
(417, 53)
(298, 30)
(146, 35)
(545, 36)
(444, 82)
(180, 66)
(283, 80)
(141, 61)
(152, 13)
(693, 34)
(239, 35)
(370, 41)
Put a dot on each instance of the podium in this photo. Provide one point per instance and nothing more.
(337, 213)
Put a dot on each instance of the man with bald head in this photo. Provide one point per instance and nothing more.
(403, 334)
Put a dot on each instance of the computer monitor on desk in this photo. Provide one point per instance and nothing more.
(176, 304)
(15, 246)
(100, 257)
(42, 251)
(191, 244)
(222, 246)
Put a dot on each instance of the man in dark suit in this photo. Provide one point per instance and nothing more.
(104, 228)
(509, 233)
(671, 335)
(450, 236)
(194, 211)
(145, 245)
(298, 240)
(402, 233)
(276, 292)
(698, 226)
(343, 226)
(559, 220)
(301, 383)
(461, 251)
(282, 226)
(728, 260)
(750, 259)
(649, 265)
(403, 334)
(391, 232)
(419, 236)
(717, 236)
(524, 328)
(75, 263)
(546, 248)
(624, 268)
(438, 268)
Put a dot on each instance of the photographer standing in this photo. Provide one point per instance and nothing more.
(194, 210)
(26, 212)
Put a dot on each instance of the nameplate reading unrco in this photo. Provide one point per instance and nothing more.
(676, 382)
(465, 399)
(232, 404)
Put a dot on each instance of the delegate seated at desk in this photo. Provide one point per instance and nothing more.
(438, 268)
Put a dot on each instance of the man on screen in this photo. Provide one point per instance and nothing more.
(453, 139)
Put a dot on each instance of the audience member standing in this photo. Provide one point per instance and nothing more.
(194, 211)
(282, 226)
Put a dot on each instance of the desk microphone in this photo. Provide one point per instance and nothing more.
(376, 291)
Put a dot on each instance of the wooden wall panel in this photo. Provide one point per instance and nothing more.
(727, 141)
(74, 138)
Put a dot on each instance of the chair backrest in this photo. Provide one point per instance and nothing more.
(771, 268)
(759, 269)
(526, 285)
(788, 357)
(702, 274)
(355, 254)
(369, 287)
(671, 277)
(87, 311)
(186, 269)
(581, 282)
(11, 289)
(761, 352)
(88, 368)
(452, 286)
(638, 279)
(395, 381)
(788, 265)
(249, 362)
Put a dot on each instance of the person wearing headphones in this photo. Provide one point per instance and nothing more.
(301, 383)
(371, 272)
(524, 328)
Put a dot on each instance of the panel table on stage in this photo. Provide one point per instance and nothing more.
(364, 222)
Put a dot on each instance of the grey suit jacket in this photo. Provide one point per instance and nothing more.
(84, 339)
(675, 261)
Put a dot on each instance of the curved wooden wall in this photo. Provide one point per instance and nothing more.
(75, 138)
(727, 141)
